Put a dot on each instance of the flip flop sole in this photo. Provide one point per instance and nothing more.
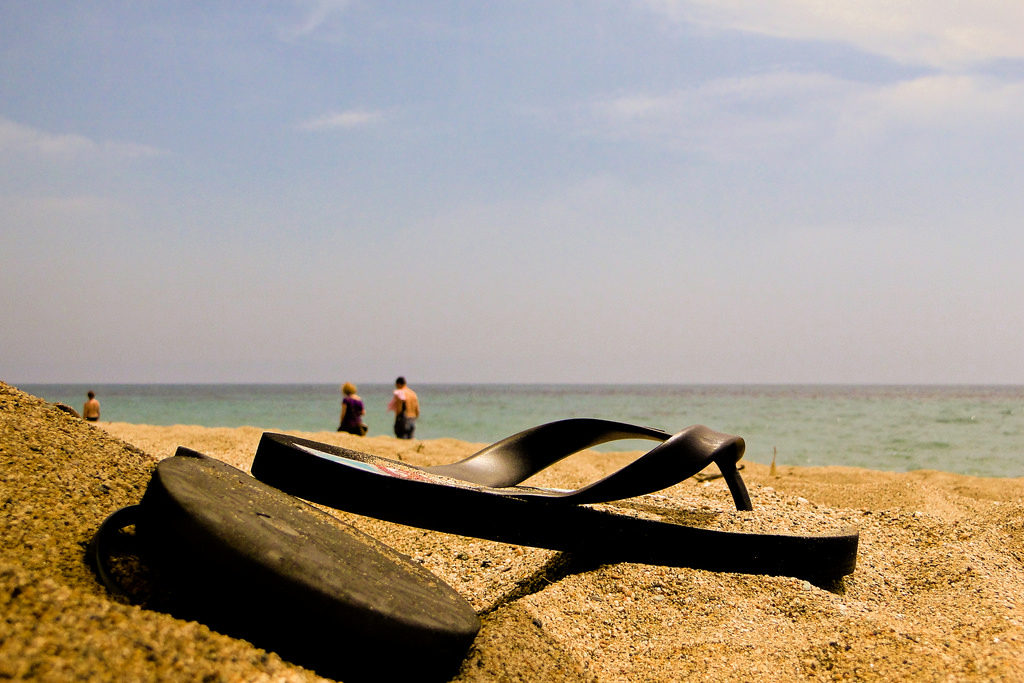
(251, 561)
(377, 487)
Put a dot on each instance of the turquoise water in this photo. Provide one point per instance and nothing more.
(966, 429)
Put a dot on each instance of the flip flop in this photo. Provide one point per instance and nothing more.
(481, 496)
(255, 563)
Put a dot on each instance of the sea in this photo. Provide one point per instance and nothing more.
(977, 430)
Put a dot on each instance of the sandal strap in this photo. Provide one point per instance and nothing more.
(102, 546)
(518, 457)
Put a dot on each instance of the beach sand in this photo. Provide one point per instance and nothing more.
(937, 593)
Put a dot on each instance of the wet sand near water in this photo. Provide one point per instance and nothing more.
(936, 595)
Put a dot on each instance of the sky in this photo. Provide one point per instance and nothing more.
(678, 191)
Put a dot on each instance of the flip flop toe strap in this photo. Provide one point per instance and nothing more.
(517, 458)
(673, 461)
(520, 456)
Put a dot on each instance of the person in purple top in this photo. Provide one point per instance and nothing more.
(352, 411)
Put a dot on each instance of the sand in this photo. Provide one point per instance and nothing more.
(936, 594)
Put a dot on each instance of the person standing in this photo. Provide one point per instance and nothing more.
(352, 411)
(91, 409)
(406, 406)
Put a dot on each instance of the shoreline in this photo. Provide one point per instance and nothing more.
(935, 595)
(163, 437)
(902, 429)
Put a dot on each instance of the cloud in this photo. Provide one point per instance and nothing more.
(352, 118)
(730, 117)
(943, 101)
(787, 112)
(21, 139)
(318, 13)
(943, 33)
(769, 95)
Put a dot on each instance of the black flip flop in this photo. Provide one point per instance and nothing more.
(253, 562)
(480, 497)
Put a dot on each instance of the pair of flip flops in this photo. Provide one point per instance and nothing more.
(248, 557)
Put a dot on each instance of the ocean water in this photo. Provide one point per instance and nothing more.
(966, 429)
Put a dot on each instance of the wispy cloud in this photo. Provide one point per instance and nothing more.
(942, 102)
(941, 34)
(958, 119)
(19, 138)
(351, 118)
(316, 14)
(796, 112)
(728, 118)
